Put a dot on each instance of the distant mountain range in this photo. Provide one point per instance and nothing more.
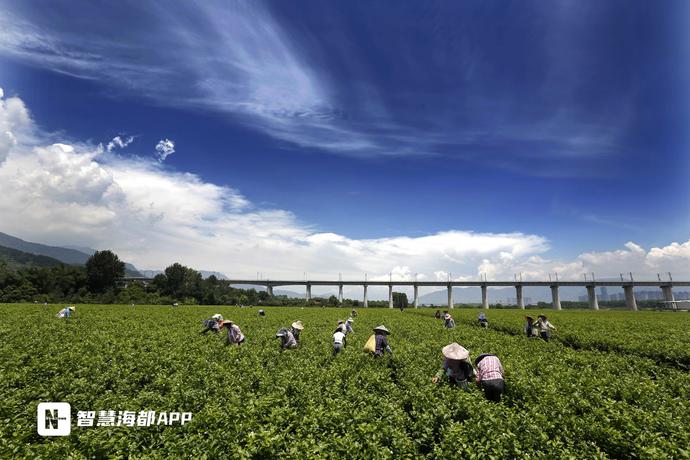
(46, 256)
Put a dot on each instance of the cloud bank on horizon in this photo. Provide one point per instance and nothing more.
(78, 193)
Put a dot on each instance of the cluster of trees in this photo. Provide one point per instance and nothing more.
(90, 283)
(100, 281)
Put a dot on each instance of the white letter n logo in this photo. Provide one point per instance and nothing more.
(54, 419)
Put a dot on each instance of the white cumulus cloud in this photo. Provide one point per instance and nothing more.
(14, 121)
(60, 193)
(119, 142)
(164, 149)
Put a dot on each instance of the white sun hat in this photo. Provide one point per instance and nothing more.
(455, 351)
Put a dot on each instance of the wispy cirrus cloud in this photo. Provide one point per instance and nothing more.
(238, 59)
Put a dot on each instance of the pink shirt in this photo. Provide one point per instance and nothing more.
(489, 368)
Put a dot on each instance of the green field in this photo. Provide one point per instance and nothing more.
(610, 385)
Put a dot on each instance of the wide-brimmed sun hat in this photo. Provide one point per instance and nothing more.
(72, 308)
(455, 351)
(217, 316)
(228, 321)
(351, 320)
(382, 328)
(298, 325)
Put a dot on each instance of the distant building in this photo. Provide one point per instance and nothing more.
(603, 294)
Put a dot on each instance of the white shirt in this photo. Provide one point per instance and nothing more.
(338, 337)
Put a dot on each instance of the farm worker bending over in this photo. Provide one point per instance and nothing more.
(297, 328)
(287, 339)
(448, 321)
(544, 327)
(65, 312)
(215, 324)
(530, 331)
(490, 376)
(348, 325)
(483, 321)
(338, 342)
(437, 315)
(457, 368)
(353, 313)
(341, 327)
(381, 337)
(262, 313)
(235, 335)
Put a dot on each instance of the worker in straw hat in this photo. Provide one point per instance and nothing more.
(490, 376)
(348, 325)
(214, 324)
(448, 321)
(297, 328)
(340, 327)
(381, 337)
(457, 368)
(235, 336)
(544, 326)
(287, 338)
(66, 312)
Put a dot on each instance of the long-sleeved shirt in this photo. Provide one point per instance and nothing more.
(64, 313)
(348, 327)
(211, 325)
(382, 345)
(489, 368)
(456, 371)
(288, 340)
(543, 325)
(234, 335)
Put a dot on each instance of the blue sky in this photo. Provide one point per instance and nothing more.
(564, 121)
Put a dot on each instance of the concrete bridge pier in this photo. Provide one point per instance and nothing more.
(630, 298)
(308, 292)
(667, 292)
(269, 290)
(519, 298)
(450, 296)
(592, 296)
(366, 301)
(555, 298)
(485, 297)
(340, 294)
(390, 296)
(416, 296)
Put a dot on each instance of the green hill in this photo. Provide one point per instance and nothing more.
(15, 259)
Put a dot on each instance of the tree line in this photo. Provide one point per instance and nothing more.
(100, 281)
